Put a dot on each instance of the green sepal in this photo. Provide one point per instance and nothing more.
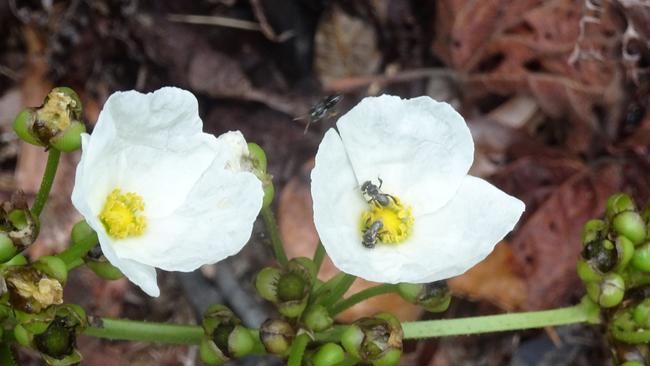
(70, 139)
(586, 272)
(82, 232)
(22, 126)
(625, 251)
(641, 314)
(265, 283)
(592, 230)
(631, 225)
(641, 257)
(618, 203)
(52, 266)
(7, 248)
(328, 354)
(609, 292)
(211, 354)
(103, 269)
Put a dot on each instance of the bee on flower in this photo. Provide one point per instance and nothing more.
(392, 199)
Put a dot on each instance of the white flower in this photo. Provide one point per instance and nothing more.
(161, 193)
(438, 222)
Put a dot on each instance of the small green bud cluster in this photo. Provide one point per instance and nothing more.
(53, 333)
(376, 340)
(224, 336)
(56, 124)
(616, 252)
(18, 227)
(288, 288)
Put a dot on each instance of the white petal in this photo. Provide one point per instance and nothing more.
(142, 275)
(155, 119)
(338, 205)
(448, 242)
(214, 222)
(414, 145)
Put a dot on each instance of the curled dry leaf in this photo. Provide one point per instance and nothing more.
(345, 46)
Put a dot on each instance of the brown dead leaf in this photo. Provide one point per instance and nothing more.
(345, 46)
(547, 246)
(495, 280)
(527, 47)
(300, 238)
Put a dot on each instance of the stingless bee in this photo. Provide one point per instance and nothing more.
(373, 192)
(370, 235)
(323, 109)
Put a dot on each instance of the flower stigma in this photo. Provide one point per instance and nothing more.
(396, 218)
(122, 214)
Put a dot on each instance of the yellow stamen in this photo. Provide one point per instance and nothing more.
(396, 218)
(122, 214)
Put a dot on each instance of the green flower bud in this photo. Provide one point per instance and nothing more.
(609, 292)
(601, 255)
(266, 281)
(328, 354)
(23, 336)
(618, 203)
(7, 248)
(52, 266)
(317, 318)
(625, 250)
(277, 336)
(631, 225)
(211, 354)
(57, 341)
(641, 314)
(389, 358)
(586, 272)
(257, 156)
(592, 230)
(641, 257)
(82, 232)
(31, 290)
(291, 286)
(258, 161)
(57, 123)
(103, 268)
(18, 260)
(17, 222)
(377, 339)
(225, 337)
(433, 297)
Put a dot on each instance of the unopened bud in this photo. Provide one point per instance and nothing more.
(609, 292)
(641, 257)
(317, 318)
(258, 162)
(97, 262)
(618, 203)
(277, 336)
(631, 225)
(641, 314)
(329, 354)
(53, 267)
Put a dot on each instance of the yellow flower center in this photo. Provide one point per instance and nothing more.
(122, 214)
(396, 218)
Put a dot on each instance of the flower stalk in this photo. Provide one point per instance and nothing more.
(52, 164)
(274, 235)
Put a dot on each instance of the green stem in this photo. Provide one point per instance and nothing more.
(360, 296)
(274, 234)
(338, 290)
(319, 255)
(78, 250)
(46, 184)
(6, 358)
(298, 350)
(583, 312)
(130, 330)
